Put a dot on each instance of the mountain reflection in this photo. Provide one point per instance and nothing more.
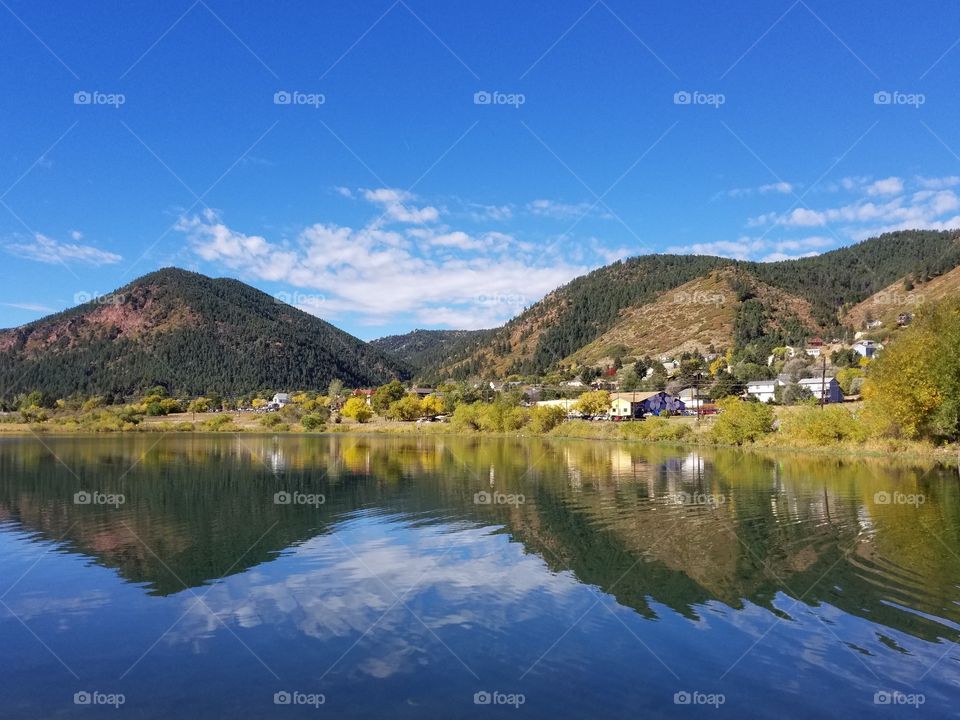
(652, 527)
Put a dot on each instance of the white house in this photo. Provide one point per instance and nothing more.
(764, 390)
(565, 403)
(867, 348)
(692, 398)
(281, 399)
(827, 389)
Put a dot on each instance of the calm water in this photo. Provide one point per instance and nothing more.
(601, 580)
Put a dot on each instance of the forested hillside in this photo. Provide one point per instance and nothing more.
(572, 317)
(431, 348)
(190, 334)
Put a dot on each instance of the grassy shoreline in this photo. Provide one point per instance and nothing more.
(698, 435)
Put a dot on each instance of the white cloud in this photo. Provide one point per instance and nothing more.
(938, 183)
(759, 248)
(397, 206)
(781, 188)
(803, 217)
(32, 307)
(559, 210)
(887, 186)
(493, 212)
(437, 275)
(47, 250)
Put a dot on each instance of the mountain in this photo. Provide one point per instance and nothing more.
(695, 316)
(906, 295)
(426, 348)
(634, 303)
(189, 333)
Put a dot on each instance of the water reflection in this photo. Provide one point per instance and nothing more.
(814, 551)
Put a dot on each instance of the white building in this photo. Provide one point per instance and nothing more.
(692, 398)
(565, 403)
(867, 348)
(764, 390)
(827, 389)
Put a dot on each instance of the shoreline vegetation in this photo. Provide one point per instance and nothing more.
(675, 431)
(911, 406)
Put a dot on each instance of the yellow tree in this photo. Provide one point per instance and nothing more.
(593, 402)
(431, 405)
(357, 409)
(913, 388)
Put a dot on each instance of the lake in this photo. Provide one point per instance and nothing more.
(255, 576)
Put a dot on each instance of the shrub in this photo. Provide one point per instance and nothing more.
(819, 426)
(406, 408)
(502, 417)
(467, 417)
(741, 422)
(271, 421)
(220, 423)
(184, 427)
(545, 418)
(656, 429)
(313, 422)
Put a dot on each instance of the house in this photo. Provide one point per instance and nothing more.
(692, 398)
(421, 392)
(814, 350)
(764, 390)
(867, 348)
(365, 393)
(565, 403)
(826, 389)
(575, 383)
(630, 405)
(281, 399)
(672, 367)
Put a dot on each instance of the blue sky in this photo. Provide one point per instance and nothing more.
(391, 165)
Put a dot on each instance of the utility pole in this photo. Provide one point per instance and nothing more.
(696, 394)
(823, 381)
